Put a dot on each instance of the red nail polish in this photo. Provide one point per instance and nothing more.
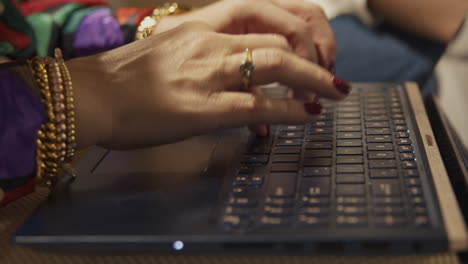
(342, 85)
(313, 108)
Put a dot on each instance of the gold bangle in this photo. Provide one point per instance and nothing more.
(56, 137)
(149, 23)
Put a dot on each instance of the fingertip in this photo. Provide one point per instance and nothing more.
(343, 86)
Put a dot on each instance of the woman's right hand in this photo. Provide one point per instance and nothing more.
(186, 82)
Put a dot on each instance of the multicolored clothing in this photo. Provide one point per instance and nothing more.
(29, 28)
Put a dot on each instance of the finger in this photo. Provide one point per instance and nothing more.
(253, 41)
(319, 28)
(259, 130)
(264, 17)
(234, 109)
(275, 65)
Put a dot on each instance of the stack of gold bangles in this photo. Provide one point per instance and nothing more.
(56, 137)
(149, 23)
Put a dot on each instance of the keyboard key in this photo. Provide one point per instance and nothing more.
(376, 112)
(381, 155)
(397, 122)
(379, 146)
(279, 202)
(241, 202)
(350, 190)
(321, 130)
(402, 134)
(317, 153)
(349, 135)
(287, 150)
(349, 115)
(319, 138)
(240, 211)
(289, 142)
(421, 221)
(408, 164)
(379, 139)
(350, 128)
(412, 182)
(377, 124)
(316, 171)
(291, 134)
(349, 159)
(376, 117)
(349, 151)
(388, 201)
(351, 210)
(284, 167)
(277, 211)
(314, 201)
(400, 128)
(239, 192)
(271, 221)
(347, 200)
(321, 123)
(417, 201)
(255, 182)
(314, 187)
(312, 221)
(378, 131)
(350, 178)
(415, 191)
(315, 210)
(389, 210)
(279, 158)
(348, 143)
(317, 162)
(318, 145)
(350, 169)
(281, 184)
(379, 164)
(351, 221)
(390, 221)
(240, 181)
(292, 128)
(405, 148)
(231, 221)
(419, 210)
(244, 170)
(383, 173)
(386, 188)
(348, 109)
(255, 159)
(397, 116)
(410, 173)
(407, 156)
(403, 141)
(349, 121)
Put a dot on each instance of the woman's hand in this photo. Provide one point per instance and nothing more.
(186, 82)
(304, 24)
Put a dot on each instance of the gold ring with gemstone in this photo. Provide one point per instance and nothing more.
(247, 69)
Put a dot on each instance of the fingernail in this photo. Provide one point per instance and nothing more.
(342, 85)
(313, 108)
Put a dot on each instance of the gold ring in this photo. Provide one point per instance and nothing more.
(247, 70)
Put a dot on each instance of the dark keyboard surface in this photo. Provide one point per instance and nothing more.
(358, 166)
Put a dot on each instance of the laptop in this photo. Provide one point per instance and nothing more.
(367, 177)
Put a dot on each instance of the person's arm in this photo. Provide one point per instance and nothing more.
(434, 19)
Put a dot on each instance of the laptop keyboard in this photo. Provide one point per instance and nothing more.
(354, 167)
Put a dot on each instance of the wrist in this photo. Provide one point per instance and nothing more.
(93, 114)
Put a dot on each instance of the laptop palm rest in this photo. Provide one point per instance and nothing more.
(136, 196)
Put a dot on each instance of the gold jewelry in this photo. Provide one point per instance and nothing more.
(149, 23)
(56, 137)
(247, 69)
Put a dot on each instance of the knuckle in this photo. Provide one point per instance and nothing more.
(274, 59)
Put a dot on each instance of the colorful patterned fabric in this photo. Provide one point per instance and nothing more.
(33, 27)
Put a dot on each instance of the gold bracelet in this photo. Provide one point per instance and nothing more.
(149, 23)
(56, 137)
